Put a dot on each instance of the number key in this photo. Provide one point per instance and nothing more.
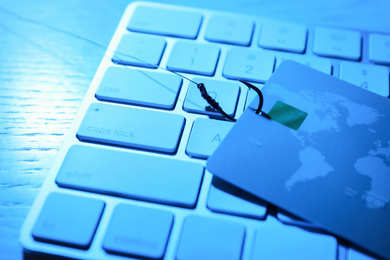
(370, 77)
(194, 58)
(248, 65)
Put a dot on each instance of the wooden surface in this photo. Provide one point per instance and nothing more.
(44, 75)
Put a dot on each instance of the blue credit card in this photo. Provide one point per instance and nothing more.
(324, 156)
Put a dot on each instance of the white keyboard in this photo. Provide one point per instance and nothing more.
(130, 181)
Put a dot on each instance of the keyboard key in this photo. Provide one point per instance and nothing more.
(68, 220)
(248, 65)
(165, 21)
(322, 65)
(131, 127)
(226, 198)
(379, 48)
(130, 175)
(229, 29)
(209, 239)
(139, 50)
(274, 240)
(283, 36)
(139, 87)
(338, 43)
(193, 58)
(226, 93)
(138, 231)
(205, 137)
(370, 77)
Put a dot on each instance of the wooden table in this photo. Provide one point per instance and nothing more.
(44, 74)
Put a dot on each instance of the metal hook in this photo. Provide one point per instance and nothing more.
(261, 99)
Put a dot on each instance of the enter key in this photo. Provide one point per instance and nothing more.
(205, 137)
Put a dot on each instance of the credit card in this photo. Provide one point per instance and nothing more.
(324, 156)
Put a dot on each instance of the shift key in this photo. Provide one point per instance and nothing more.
(131, 175)
(131, 127)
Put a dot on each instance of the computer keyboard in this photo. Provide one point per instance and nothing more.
(130, 180)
